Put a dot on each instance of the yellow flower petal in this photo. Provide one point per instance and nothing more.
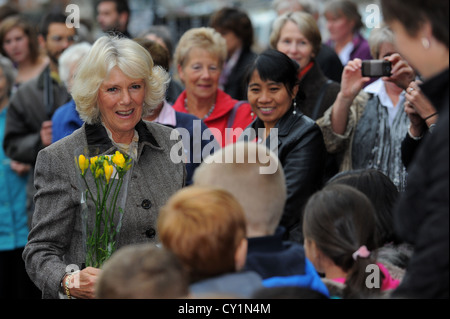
(108, 172)
(83, 163)
(118, 159)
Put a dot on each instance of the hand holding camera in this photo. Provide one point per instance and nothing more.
(402, 74)
(352, 80)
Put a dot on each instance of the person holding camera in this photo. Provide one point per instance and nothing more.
(366, 127)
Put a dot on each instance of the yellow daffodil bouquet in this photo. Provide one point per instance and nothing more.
(103, 178)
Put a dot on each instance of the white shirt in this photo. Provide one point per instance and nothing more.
(344, 55)
(378, 88)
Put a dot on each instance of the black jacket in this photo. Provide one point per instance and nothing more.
(301, 151)
(314, 85)
(421, 215)
(330, 63)
(236, 86)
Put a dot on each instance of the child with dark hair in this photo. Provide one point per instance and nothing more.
(383, 194)
(339, 229)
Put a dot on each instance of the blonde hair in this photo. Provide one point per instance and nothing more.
(305, 23)
(204, 228)
(262, 196)
(203, 38)
(132, 59)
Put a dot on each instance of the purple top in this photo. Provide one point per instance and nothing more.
(361, 48)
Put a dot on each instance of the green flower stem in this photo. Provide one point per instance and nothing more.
(101, 244)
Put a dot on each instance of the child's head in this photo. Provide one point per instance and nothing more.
(142, 271)
(206, 229)
(239, 169)
(383, 194)
(338, 221)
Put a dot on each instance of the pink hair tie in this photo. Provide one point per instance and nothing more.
(362, 252)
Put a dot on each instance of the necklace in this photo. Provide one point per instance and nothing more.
(207, 114)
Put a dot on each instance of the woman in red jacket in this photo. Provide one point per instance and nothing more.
(200, 57)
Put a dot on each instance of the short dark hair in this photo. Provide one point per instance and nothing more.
(121, 5)
(275, 66)
(416, 13)
(52, 17)
(236, 21)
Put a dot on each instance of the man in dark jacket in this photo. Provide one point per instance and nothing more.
(28, 126)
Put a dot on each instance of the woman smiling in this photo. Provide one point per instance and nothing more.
(115, 87)
(298, 141)
(200, 57)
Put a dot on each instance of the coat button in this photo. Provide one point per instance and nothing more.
(146, 204)
(150, 233)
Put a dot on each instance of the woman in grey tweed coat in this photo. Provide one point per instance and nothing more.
(115, 87)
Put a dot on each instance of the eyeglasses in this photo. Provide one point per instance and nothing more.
(58, 38)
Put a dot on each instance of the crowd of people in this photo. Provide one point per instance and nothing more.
(281, 172)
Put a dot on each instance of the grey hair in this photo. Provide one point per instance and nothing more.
(70, 57)
(377, 37)
(132, 59)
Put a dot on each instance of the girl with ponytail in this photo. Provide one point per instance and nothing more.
(339, 230)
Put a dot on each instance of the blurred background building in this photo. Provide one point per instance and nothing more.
(178, 15)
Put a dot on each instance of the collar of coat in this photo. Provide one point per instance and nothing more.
(96, 135)
(284, 125)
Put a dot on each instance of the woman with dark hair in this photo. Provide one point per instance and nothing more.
(421, 216)
(272, 89)
(339, 229)
(236, 27)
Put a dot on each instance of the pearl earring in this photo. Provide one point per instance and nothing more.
(426, 43)
(295, 107)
